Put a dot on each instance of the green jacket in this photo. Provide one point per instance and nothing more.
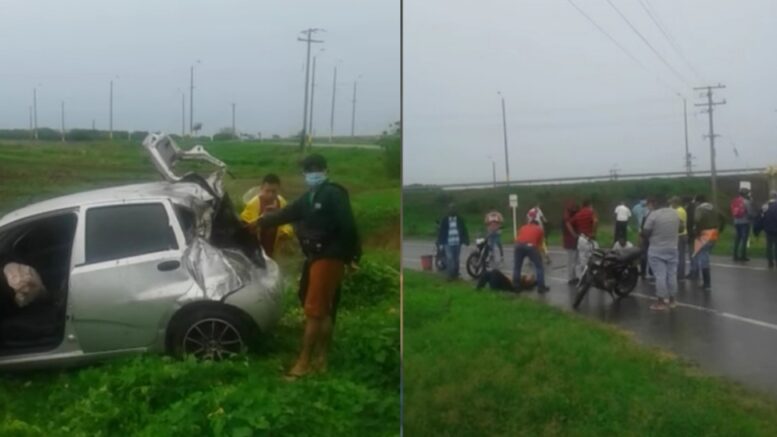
(324, 223)
(705, 217)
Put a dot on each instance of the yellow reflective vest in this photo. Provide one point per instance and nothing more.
(250, 215)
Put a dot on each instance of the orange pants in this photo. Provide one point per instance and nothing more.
(324, 276)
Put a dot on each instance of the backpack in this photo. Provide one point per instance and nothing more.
(738, 209)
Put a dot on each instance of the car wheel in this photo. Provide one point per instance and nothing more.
(210, 333)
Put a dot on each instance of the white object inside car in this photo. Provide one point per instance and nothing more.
(25, 282)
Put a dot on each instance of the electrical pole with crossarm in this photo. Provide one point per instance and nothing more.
(309, 40)
(504, 129)
(710, 105)
(688, 157)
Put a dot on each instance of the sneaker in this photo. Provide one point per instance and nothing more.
(543, 289)
(659, 305)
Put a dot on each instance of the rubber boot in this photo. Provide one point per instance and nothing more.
(705, 274)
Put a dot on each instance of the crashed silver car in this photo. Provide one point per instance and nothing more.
(156, 267)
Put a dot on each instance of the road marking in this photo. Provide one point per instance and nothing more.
(713, 311)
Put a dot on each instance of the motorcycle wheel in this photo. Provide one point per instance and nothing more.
(582, 289)
(474, 265)
(627, 282)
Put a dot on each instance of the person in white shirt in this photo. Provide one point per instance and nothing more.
(494, 222)
(622, 216)
(621, 245)
(536, 214)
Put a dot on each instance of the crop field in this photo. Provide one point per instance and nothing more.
(152, 395)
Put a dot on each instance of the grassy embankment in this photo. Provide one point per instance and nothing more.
(482, 363)
(248, 396)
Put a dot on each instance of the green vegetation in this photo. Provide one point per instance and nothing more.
(391, 141)
(422, 208)
(151, 395)
(482, 363)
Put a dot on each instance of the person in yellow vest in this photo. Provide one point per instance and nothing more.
(260, 200)
(682, 242)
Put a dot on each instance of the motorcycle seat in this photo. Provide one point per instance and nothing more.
(630, 254)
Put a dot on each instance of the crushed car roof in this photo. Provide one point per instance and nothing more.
(178, 190)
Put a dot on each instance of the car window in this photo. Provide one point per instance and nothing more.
(115, 232)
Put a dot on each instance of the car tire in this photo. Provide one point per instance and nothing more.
(212, 332)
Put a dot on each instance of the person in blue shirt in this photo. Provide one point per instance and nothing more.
(453, 234)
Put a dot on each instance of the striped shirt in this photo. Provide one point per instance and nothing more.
(453, 232)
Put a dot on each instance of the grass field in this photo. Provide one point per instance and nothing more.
(157, 396)
(422, 208)
(482, 363)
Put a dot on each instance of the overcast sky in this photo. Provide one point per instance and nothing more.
(576, 104)
(248, 50)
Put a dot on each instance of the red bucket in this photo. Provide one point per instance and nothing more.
(426, 262)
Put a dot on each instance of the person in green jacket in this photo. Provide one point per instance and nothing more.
(327, 233)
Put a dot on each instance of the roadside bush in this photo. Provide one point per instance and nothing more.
(367, 346)
(153, 396)
(372, 284)
(393, 151)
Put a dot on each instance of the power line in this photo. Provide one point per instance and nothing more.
(676, 73)
(671, 40)
(620, 46)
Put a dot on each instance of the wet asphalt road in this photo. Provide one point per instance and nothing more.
(730, 331)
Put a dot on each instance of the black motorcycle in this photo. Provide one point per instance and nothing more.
(480, 258)
(611, 271)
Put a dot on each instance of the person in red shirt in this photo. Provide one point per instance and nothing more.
(529, 244)
(570, 241)
(583, 227)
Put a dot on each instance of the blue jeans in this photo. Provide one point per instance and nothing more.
(495, 241)
(702, 259)
(525, 251)
(740, 241)
(771, 247)
(663, 262)
(453, 258)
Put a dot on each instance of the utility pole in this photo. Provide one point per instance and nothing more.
(183, 115)
(332, 112)
(32, 135)
(309, 40)
(710, 105)
(234, 131)
(688, 164)
(312, 95)
(35, 113)
(353, 108)
(504, 128)
(110, 113)
(63, 121)
(191, 98)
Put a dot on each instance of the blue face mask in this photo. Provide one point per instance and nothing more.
(314, 179)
